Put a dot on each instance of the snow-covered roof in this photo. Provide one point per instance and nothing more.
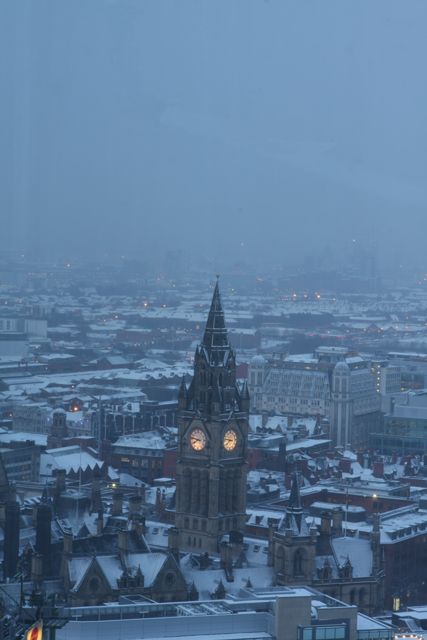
(358, 551)
(112, 568)
(146, 440)
(70, 458)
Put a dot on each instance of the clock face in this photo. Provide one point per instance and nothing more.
(198, 439)
(230, 440)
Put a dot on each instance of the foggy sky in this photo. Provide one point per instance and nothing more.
(246, 129)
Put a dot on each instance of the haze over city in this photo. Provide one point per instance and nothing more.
(254, 131)
(213, 320)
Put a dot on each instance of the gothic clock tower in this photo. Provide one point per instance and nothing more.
(212, 443)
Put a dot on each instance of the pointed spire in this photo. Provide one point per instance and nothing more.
(245, 390)
(295, 498)
(215, 338)
(182, 393)
(294, 512)
(244, 397)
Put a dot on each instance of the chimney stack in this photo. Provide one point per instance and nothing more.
(117, 506)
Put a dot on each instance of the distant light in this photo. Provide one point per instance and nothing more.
(375, 496)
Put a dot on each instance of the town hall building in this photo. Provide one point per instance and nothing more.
(212, 448)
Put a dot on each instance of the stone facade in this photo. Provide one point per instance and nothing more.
(212, 448)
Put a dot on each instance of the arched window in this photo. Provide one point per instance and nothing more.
(299, 562)
(280, 559)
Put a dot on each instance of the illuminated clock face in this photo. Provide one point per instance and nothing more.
(197, 439)
(230, 440)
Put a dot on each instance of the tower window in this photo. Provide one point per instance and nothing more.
(298, 562)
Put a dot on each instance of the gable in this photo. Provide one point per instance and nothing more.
(93, 579)
(170, 577)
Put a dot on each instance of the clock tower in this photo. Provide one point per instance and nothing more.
(212, 443)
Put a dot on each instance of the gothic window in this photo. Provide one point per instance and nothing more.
(203, 525)
(195, 524)
(170, 579)
(299, 562)
(353, 596)
(186, 523)
(94, 584)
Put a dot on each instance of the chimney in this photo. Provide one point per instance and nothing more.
(59, 481)
(117, 506)
(123, 540)
(345, 465)
(44, 532)
(11, 539)
(378, 469)
(37, 569)
(138, 524)
(135, 505)
(141, 491)
(325, 523)
(100, 523)
(337, 518)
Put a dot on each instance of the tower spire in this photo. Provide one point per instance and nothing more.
(294, 511)
(215, 338)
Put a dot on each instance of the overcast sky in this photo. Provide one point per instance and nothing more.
(247, 128)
